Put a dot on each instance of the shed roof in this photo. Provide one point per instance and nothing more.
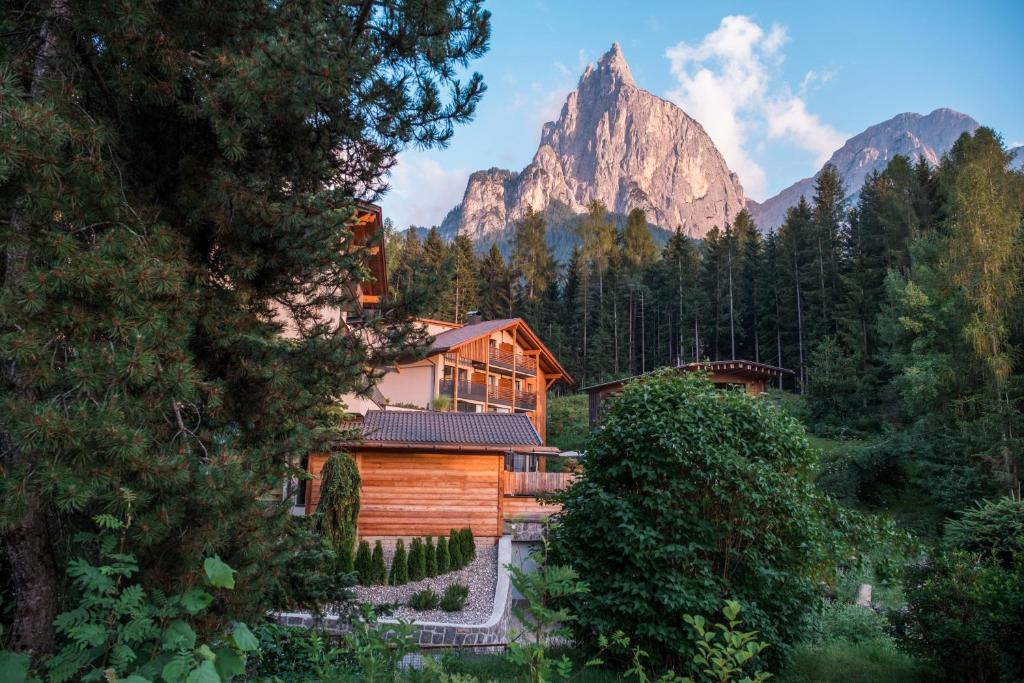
(741, 368)
(512, 430)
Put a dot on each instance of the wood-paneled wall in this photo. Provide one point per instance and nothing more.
(423, 494)
(527, 507)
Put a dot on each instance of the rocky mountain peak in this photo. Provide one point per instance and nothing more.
(616, 143)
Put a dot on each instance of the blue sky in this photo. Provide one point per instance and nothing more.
(778, 85)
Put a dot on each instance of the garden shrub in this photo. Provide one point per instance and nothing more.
(991, 527)
(965, 612)
(364, 564)
(338, 510)
(424, 600)
(416, 565)
(443, 560)
(431, 556)
(689, 496)
(456, 560)
(399, 565)
(468, 545)
(454, 597)
(379, 574)
(421, 559)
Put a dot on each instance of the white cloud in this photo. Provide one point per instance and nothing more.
(422, 191)
(731, 83)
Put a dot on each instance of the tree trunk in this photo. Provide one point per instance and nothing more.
(27, 541)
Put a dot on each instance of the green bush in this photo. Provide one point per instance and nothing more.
(456, 561)
(454, 597)
(991, 527)
(965, 612)
(364, 564)
(416, 564)
(691, 495)
(568, 422)
(379, 574)
(468, 545)
(337, 513)
(443, 559)
(421, 559)
(399, 565)
(431, 556)
(424, 600)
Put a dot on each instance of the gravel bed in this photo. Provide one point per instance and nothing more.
(480, 575)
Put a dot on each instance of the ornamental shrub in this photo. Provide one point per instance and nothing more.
(416, 564)
(421, 559)
(468, 545)
(456, 560)
(338, 510)
(399, 565)
(430, 554)
(991, 527)
(379, 574)
(454, 597)
(424, 600)
(364, 564)
(691, 496)
(443, 559)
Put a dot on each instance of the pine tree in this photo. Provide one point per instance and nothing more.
(495, 286)
(456, 560)
(421, 559)
(399, 565)
(173, 179)
(364, 564)
(378, 571)
(443, 559)
(417, 565)
(637, 244)
(431, 556)
(468, 545)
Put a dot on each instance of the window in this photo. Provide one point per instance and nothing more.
(521, 462)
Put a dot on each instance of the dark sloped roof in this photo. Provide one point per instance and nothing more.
(435, 427)
(448, 339)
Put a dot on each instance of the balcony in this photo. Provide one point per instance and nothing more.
(494, 395)
(507, 360)
(532, 483)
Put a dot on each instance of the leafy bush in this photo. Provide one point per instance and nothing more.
(991, 527)
(431, 556)
(456, 561)
(379, 574)
(690, 495)
(724, 652)
(467, 545)
(416, 563)
(568, 422)
(424, 600)
(443, 559)
(399, 565)
(454, 597)
(840, 621)
(364, 564)
(966, 613)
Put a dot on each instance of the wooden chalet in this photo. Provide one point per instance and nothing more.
(745, 375)
(426, 472)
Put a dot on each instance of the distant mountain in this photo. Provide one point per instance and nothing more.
(617, 143)
(911, 135)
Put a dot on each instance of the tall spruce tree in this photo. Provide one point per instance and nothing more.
(175, 183)
(496, 285)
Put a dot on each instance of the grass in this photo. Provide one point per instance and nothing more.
(497, 668)
(845, 662)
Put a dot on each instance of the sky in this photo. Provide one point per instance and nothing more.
(779, 86)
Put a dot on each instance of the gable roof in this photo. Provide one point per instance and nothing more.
(454, 428)
(450, 339)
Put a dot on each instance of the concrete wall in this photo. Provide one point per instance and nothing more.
(413, 385)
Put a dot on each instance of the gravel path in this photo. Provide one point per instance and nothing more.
(480, 575)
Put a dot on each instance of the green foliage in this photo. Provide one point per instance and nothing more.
(338, 510)
(454, 598)
(364, 564)
(568, 426)
(425, 599)
(378, 571)
(845, 662)
(545, 616)
(443, 558)
(456, 560)
(430, 556)
(990, 527)
(417, 563)
(467, 545)
(119, 631)
(723, 651)
(690, 495)
(963, 611)
(399, 565)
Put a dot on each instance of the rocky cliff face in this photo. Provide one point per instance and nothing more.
(616, 143)
(912, 135)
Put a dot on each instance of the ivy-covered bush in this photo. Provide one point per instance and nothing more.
(399, 566)
(690, 495)
(443, 559)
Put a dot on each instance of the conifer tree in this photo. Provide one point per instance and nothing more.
(378, 569)
(399, 565)
(421, 559)
(338, 510)
(176, 183)
(456, 560)
(464, 290)
(443, 559)
(417, 565)
(468, 545)
(364, 564)
(431, 556)
(496, 286)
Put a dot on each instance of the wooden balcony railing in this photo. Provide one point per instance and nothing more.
(506, 360)
(498, 395)
(471, 391)
(532, 483)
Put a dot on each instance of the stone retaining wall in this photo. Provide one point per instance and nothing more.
(494, 631)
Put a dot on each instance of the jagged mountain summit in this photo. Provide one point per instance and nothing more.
(617, 143)
(909, 134)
